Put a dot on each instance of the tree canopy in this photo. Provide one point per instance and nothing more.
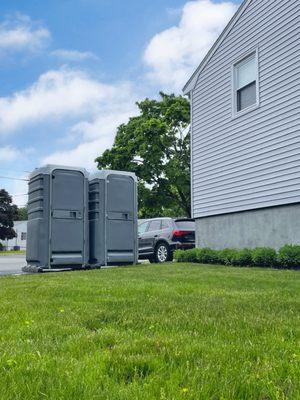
(156, 146)
(22, 214)
(8, 213)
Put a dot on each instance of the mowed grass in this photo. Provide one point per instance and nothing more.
(12, 252)
(175, 331)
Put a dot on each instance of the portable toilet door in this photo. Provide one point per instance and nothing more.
(113, 218)
(121, 218)
(57, 234)
(68, 228)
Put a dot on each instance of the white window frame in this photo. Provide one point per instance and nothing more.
(235, 112)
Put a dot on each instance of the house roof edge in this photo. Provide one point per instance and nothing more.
(191, 83)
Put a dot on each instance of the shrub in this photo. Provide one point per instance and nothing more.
(226, 256)
(289, 256)
(204, 255)
(242, 257)
(208, 256)
(191, 255)
(264, 257)
(194, 255)
(1, 247)
(186, 255)
(178, 255)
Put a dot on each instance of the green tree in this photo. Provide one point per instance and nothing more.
(156, 146)
(22, 214)
(8, 213)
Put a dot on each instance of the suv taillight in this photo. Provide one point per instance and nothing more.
(178, 234)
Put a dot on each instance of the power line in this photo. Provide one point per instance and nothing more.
(14, 195)
(13, 178)
(20, 205)
(15, 170)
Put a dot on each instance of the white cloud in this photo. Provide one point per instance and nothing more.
(107, 119)
(73, 55)
(18, 189)
(94, 109)
(8, 154)
(21, 33)
(97, 133)
(56, 94)
(83, 155)
(12, 162)
(173, 54)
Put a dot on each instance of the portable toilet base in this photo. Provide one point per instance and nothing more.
(32, 269)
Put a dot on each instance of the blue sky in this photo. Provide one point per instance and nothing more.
(71, 71)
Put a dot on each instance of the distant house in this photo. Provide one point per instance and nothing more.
(20, 240)
(245, 131)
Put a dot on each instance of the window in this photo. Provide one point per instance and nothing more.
(143, 227)
(23, 236)
(165, 224)
(190, 225)
(245, 82)
(154, 225)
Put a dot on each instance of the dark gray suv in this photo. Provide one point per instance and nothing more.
(159, 237)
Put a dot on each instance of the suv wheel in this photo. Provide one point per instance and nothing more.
(162, 253)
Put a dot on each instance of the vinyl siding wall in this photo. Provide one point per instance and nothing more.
(253, 160)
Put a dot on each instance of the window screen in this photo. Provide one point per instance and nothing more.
(245, 83)
(246, 72)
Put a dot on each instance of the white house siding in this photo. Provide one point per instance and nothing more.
(251, 161)
(20, 228)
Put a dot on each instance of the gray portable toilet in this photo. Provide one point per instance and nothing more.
(113, 218)
(57, 232)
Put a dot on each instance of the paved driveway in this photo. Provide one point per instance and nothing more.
(12, 264)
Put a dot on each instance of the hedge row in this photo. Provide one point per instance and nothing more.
(288, 256)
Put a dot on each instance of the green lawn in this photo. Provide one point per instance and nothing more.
(12, 252)
(175, 331)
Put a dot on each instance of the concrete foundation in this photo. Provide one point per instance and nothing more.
(272, 227)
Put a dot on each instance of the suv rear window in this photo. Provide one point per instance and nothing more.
(190, 225)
